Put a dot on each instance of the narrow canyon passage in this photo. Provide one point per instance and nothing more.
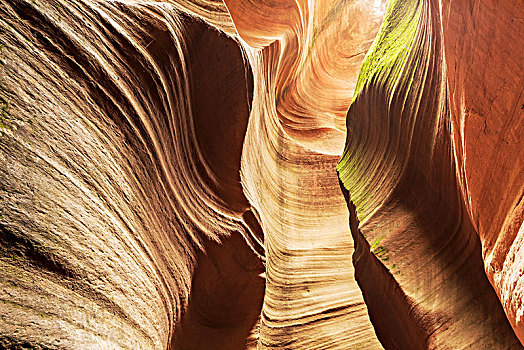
(292, 174)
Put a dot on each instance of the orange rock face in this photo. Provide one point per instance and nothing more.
(434, 169)
(487, 114)
(168, 174)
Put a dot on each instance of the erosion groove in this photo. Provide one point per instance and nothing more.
(105, 183)
(413, 182)
(260, 174)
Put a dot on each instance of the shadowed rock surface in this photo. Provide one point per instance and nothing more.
(168, 174)
(434, 169)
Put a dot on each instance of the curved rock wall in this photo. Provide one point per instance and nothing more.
(429, 177)
(110, 172)
(168, 174)
(487, 115)
(303, 69)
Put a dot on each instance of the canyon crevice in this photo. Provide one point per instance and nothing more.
(205, 174)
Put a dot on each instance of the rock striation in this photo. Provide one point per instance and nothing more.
(433, 171)
(205, 174)
(115, 179)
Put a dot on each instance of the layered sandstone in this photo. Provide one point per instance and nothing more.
(168, 174)
(115, 179)
(125, 224)
(434, 170)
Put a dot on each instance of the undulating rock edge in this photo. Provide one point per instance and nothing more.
(292, 174)
(122, 214)
(167, 181)
(433, 168)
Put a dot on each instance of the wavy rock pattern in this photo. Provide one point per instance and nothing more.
(168, 174)
(303, 84)
(111, 169)
(425, 168)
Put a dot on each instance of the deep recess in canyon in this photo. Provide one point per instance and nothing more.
(291, 174)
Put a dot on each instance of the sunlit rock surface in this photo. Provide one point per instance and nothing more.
(115, 179)
(434, 166)
(168, 174)
(305, 69)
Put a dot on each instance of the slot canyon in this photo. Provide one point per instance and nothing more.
(262, 174)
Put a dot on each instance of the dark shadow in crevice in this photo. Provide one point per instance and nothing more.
(226, 297)
(227, 288)
(388, 306)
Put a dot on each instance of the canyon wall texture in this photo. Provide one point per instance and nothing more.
(434, 168)
(115, 179)
(168, 174)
